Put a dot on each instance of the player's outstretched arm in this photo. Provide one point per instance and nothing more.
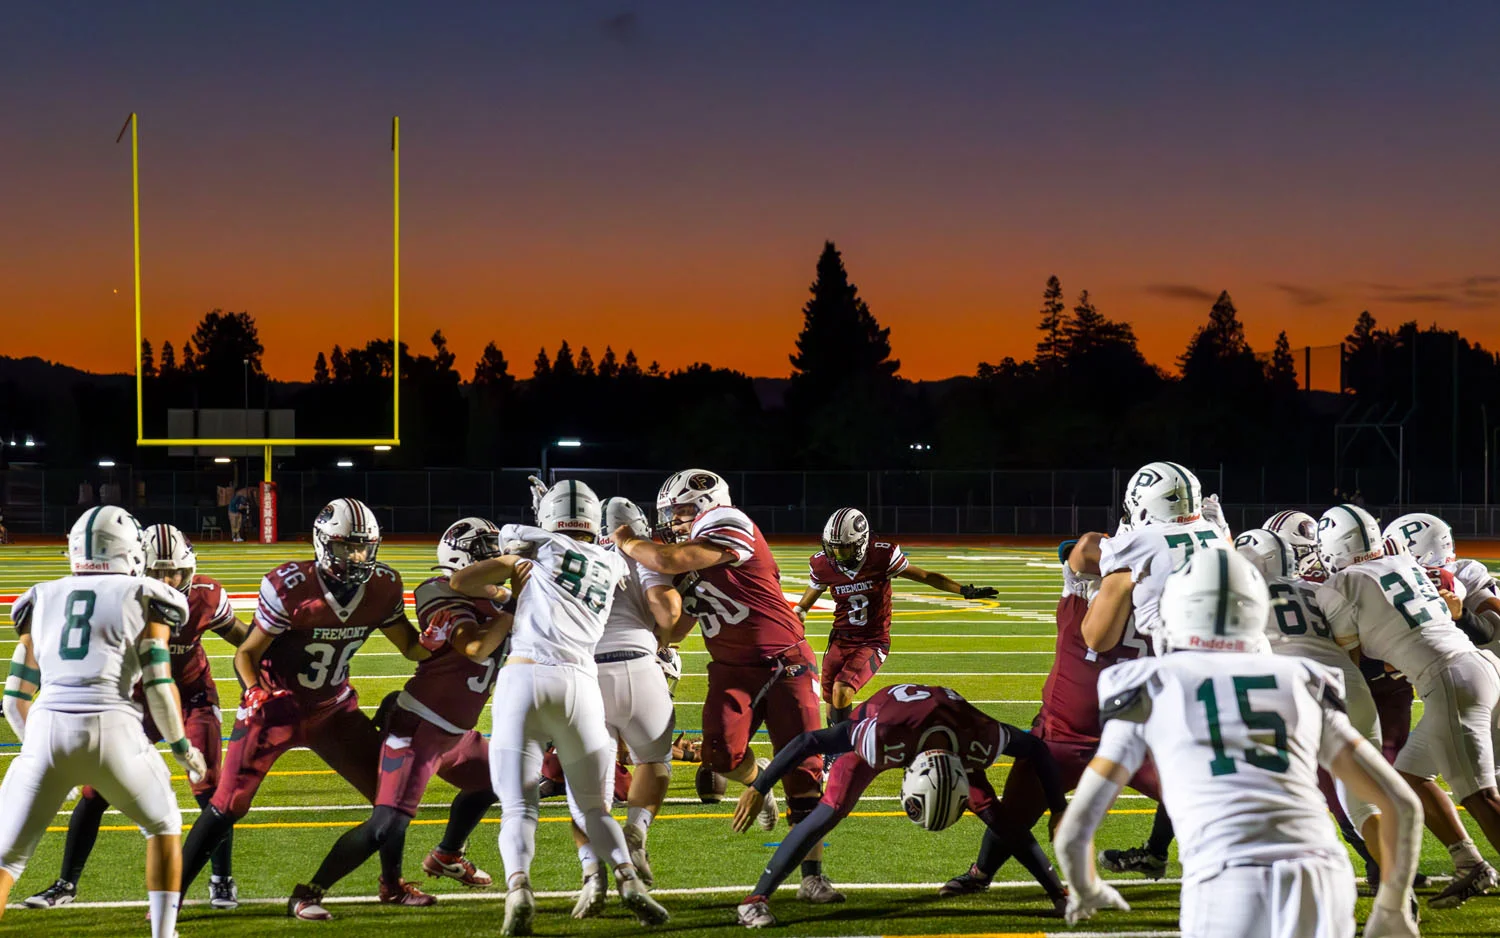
(832, 741)
(1100, 785)
(1104, 624)
(247, 657)
(670, 559)
(484, 579)
(407, 640)
(21, 685)
(478, 641)
(947, 584)
(1369, 777)
(809, 596)
(666, 611)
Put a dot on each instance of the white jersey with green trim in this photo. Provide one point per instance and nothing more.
(1398, 615)
(1238, 739)
(84, 631)
(569, 591)
(1295, 625)
(1478, 582)
(1150, 552)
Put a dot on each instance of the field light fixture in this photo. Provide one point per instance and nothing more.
(106, 464)
(382, 447)
(223, 460)
(346, 464)
(570, 443)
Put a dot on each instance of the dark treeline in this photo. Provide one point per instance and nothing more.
(1086, 398)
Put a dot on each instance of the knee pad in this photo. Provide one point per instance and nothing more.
(798, 807)
(386, 821)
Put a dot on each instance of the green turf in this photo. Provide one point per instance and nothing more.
(996, 654)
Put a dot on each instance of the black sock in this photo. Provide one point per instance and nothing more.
(1351, 836)
(222, 864)
(83, 831)
(993, 852)
(393, 846)
(1030, 855)
(464, 815)
(208, 832)
(812, 868)
(837, 715)
(1161, 833)
(348, 854)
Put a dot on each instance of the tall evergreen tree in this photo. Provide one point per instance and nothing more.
(168, 360)
(585, 362)
(492, 370)
(339, 362)
(1052, 348)
(442, 358)
(320, 370)
(148, 360)
(609, 368)
(189, 359)
(1282, 369)
(632, 366)
(543, 367)
(223, 342)
(840, 341)
(563, 366)
(1218, 354)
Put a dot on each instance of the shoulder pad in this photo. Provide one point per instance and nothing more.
(721, 517)
(1125, 690)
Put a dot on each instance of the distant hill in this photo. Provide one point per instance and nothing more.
(39, 374)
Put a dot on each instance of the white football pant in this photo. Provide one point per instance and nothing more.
(1309, 897)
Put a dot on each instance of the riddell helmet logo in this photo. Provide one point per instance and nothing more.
(1218, 644)
(574, 524)
(92, 566)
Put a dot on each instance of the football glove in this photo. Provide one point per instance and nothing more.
(801, 612)
(193, 762)
(439, 629)
(978, 592)
(538, 489)
(1083, 903)
(687, 750)
(255, 698)
(671, 667)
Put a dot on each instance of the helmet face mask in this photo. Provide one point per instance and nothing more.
(935, 790)
(468, 540)
(346, 540)
(683, 497)
(1217, 601)
(170, 556)
(1163, 493)
(846, 539)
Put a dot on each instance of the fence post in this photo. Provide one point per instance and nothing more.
(428, 474)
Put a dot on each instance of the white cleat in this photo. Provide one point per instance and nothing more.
(756, 913)
(591, 897)
(635, 839)
(633, 896)
(766, 821)
(819, 889)
(520, 909)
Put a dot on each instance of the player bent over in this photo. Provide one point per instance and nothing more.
(311, 618)
(942, 741)
(549, 689)
(84, 642)
(428, 729)
(1240, 734)
(169, 558)
(860, 572)
(761, 668)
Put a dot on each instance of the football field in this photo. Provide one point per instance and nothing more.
(994, 652)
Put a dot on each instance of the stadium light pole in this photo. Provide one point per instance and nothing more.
(565, 443)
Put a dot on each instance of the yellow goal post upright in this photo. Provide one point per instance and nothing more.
(267, 443)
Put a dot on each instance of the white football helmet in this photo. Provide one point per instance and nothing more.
(697, 487)
(107, 539)
(1347, 534)
(1269, 551)
(1427, 537)
(935, 789)
(1217, 601)
(168, 549)
(570, 507)
(1163, 492)
(846, 539)
(671, 668)
(1394, 545)
(346, 538)
(620, 512)
(465, 541)
(1300, 530)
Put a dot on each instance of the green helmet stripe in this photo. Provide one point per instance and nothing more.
(1288, 556)
(1185, 477)
(1221, 612)
(1359, 524)
(88, 534)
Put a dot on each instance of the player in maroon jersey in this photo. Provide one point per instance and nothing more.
(311, 619)
(859, 573)
(170, 558)
(429, 730)
(889, 731)
(761, 668)
(1068, 723)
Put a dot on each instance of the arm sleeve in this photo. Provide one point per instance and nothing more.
(21, 675)
(1075, 835)
(20, 611)
(1124, 744)
(833, 741)
(270, 613)
(1021, 744)
(161, 699)
(1338, 734)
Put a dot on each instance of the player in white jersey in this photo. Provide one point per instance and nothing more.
(85, 641)
(549, 690)
(1392, 611)
(1295, 626)
(637, 702)
(1430, 540)
(1239, 734)
(1164, 506)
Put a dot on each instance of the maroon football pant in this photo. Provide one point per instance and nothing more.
(742, 697)
(339, 733)
(415, 750)
(853, 665)
(1024, 799)
(1393, 703)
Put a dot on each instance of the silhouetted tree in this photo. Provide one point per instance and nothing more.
(340, 363)
(189, 359)
(492, 370)
(543, 368)
(148, 361)
(223, 342)
(1052, 348)
(1281, 371)
(563, 366)
(585, 363)
(632, 367)
(609, 368)
(320, 370)
(840, 341)
(168, 360)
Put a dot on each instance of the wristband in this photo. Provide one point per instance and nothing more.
(181, 747)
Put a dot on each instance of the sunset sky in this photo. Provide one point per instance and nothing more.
(662, 175)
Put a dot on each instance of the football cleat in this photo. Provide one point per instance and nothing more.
(755, 912)
(457, 867)
(819, 889)
(58, 894)
(768, 811)
(1476, 881)
(635, 839)
(223, 893)
(966, 883)
(591, 897)
(520, 908)
(633, 896)
(1135, 860)
(404, 893)
(306, 904)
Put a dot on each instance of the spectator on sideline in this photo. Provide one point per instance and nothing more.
(239, 507)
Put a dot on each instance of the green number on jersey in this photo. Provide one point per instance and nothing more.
(1185, 542)
(1404, 596)
(74, 644)
(1222, 763)
(1289, 616)
(574, 568)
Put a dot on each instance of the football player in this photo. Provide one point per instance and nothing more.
(1165, 509)
(1388, 605)
(942, 741)
(859, 572)
(84, 641)
(170, 558)
(1068, 724)
(1241, 734)
(1429, 539)
(429, 730)
(549, 689)
(761, 668)
(637, 705)
(312, 616)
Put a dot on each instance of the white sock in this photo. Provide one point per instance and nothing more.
(639, 817)
(163, 913)
(1465, 855)
(588, 859)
